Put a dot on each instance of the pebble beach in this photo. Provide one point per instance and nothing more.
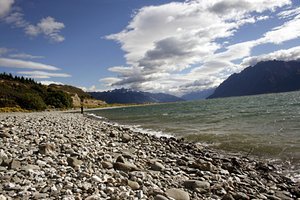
(58, 155)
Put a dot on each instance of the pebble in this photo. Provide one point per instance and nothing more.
(177, 194)
(72, 156)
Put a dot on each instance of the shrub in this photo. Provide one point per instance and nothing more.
(58, 99)
(31, 101)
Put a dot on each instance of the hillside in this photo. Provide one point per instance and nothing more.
(126, 96)
(30, 95)
(264, 77)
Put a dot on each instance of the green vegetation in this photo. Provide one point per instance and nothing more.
(25, 93)
(71, 90)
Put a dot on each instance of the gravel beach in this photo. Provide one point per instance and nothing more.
(56, 155)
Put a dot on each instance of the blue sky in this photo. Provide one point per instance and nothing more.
(151, 45)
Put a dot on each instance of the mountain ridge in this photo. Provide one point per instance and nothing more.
(128, 96)
(264, 77)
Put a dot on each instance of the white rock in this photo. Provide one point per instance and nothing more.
(96, 178)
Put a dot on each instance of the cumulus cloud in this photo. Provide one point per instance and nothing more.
(24, 56)
(42, 74)
(5, 7)
(16, 63)
(176, 46)
(48, 26)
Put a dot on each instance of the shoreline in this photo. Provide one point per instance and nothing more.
(68, 155)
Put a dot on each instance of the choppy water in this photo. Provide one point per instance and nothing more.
(263, 125)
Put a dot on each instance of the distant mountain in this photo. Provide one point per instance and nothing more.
(198, 95)
(129, 96)
(265, 77)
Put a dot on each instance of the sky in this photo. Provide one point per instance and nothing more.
(176, 47)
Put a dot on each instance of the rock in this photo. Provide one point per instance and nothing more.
(2, 197)
(134, 185)
(177, 194)
(14, 164)
(156, 166)
(107, 165)
(113, 134)
(227, 197)
(93, 197)
(74, 162)
(126, 167)
(4, 134)
(160, 197)
(241, 195)
(194, 184)
(204, 166)
(46, 148)
(96, 178)
(126, 138)
(120, 159)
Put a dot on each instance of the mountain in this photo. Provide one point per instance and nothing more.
(265, 77)
(198, 95)
(129, 96)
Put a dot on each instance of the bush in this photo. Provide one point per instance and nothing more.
(31, 101)
(5, 102)
(58, 99)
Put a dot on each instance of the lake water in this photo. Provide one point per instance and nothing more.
(262, 125)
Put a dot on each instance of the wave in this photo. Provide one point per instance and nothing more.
(134, 128)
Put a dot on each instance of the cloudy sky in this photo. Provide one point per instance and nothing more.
(150, 45)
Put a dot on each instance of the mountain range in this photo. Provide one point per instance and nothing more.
(264, 77)
(127, 96)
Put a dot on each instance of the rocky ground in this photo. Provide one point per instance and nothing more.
(71, 156)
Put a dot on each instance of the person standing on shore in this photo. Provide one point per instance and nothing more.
(81, 105)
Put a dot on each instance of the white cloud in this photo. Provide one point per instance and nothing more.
(48, 27)
(162, 41)
(51, 82)
(288, 31)
(16, 63)
(5, 7)
(16, 19)
(42, 74)
(24, 56)
(289, 13)
(285, 55)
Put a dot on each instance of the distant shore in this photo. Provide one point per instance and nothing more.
(51, 155)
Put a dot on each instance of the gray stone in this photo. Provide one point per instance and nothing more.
(177, 194)
(126, 138)
(160, 197)
(46, 148)
(14, 164)
(74, 162)
(120, 159)
(156, 166)
(107, 165)
(194, 184)
(126, 167)
(133, 184)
